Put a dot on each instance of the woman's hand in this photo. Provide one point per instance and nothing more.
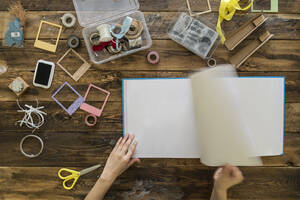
(120, 159)
(226, 177)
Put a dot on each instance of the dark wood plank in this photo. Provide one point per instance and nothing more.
(276, 55)
(111, 119)
(287, 6)
(146, 182)
(112, 81)
(158, 23)
(69, 147)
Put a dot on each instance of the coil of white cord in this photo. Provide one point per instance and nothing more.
(28, 119)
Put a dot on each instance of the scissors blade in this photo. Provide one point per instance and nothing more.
(88, 170)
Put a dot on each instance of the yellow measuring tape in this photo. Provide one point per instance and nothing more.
(226, 11)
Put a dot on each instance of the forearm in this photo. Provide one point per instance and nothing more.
(218, 194)
(100, 189)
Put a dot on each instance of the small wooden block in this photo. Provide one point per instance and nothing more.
(264, 36)
(259, 20)
(26, 86)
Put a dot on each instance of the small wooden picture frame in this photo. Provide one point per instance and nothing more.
(91, 109)
(200, 13)
(26, 86)
(82, 69)
(75, 105)
(45, 45)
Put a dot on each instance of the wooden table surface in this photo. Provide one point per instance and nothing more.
(69, 143)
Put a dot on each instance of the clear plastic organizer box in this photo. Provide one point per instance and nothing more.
(93, 13)
(195, 34)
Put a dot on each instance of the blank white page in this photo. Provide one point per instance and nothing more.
(222, 129)
(160, 113)
(263, 105)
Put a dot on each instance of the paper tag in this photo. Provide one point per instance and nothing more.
(15, 34)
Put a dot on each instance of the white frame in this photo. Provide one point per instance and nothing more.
(50, 77)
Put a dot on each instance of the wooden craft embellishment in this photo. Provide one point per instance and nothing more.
(239, 58)
(244, 31)
(200, 13)
(45, 45)
(82, 69)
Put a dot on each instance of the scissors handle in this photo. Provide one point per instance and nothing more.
(74, 175)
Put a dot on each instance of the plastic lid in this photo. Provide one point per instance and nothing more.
(91, 11)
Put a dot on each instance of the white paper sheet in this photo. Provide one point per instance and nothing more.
(222, 128)
(160, 112)
(263, 104)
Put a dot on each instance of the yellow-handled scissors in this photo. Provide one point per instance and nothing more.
(74, 175)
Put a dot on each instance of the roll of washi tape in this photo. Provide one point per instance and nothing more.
(117, 29)
(31, 155)
(73, 41)
(211, 62)
(68, 20)
(135, 30)
(153, 57)
(125, 45)
(135, 43)
(95, 39)
(88, 119)
(104, 31)
(113, 50)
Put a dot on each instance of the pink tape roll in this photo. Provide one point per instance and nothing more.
(87, 120)
(150, 56)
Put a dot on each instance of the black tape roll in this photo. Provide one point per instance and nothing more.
(73, 41)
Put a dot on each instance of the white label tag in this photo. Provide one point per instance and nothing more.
(15, 34)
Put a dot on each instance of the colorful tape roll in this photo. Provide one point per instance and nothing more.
(68, 20)
(87, 120)
(153, 57)
(73, 41)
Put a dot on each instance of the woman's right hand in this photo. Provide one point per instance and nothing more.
(226, 177)
(120, 159)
